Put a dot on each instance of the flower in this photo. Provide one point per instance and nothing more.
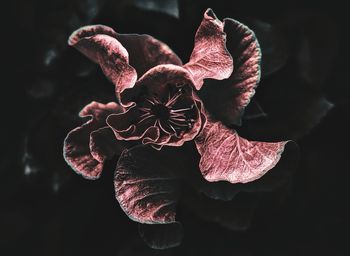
(163, 109)
(170, 108)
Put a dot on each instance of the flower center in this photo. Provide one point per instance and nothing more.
(173, 114)
(161, 112)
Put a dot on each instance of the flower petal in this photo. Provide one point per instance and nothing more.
(146, 52)
(76, 148)
(209, 58)
(235, 92)
(275, 179)
(125, 127)
(147, 185)
(226, 156)
(104, 145)
(99, 44)
(156, 82)
(77, 153)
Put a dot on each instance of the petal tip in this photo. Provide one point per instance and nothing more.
(90, 30)
(85, 175)
(209, 14)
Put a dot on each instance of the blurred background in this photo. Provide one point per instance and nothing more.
(304, 95)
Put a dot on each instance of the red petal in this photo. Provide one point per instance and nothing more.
(99, 111)
(77, 153)
(143, 51)
(156, 82)
(145, 185)
(76, 148)
(235, 92)
(146, 52)
(125, 128)
(89, 31)
(103, 144)
(209, 58)
(226, 156)
(106, 51)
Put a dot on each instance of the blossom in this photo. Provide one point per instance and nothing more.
(163, 107)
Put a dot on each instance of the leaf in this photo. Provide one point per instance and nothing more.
(235, 215)
(273, 43)
(209, 58)
(161, 236)
(292, 110)
(226, 156)
(169, 7)
(317, 48)
(147, 185)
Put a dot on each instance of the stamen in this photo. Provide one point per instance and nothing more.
(173, 99)
(172, 128)
(178, 124)
(145, 114)
(145, 118)
(178, 114)
(150, 101)
(163, 129)
(156, 100)
(179, 119)
(147, 110)
(155, 123)
(181, 109)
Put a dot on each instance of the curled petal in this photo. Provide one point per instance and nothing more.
(123, 122)
(126, 127)
(155, 81)
(76, 149)
(146, 185)
(99, 111)
(99, 44)
(89, 31)
(235, 92)
(146, 52)
(227, 157)
(103, 144)
(77, 153)
(210, 58)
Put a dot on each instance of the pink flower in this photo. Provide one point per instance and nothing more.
(163, 111)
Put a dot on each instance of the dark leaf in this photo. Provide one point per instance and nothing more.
(273, 43)
(169, 7)
(161, 236)
(317, 49)
(235, 215)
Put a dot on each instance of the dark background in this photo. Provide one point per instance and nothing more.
(46, 209)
